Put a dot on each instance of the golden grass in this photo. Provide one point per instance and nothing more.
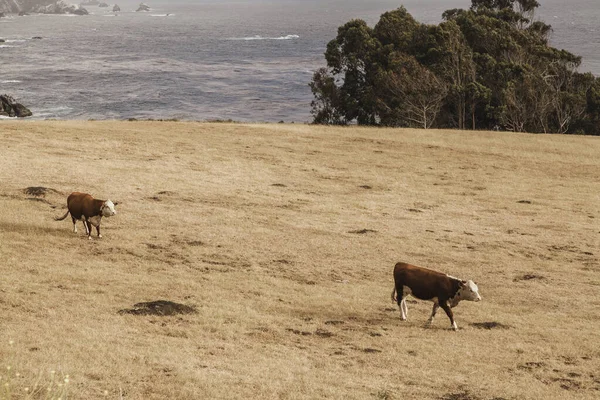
(258, 227)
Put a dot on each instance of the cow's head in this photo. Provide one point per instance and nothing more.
(469, 291)
(108, 209)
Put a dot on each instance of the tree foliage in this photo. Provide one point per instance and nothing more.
(486, 67)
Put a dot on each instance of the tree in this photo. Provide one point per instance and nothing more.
(451, 59)
(411, 95)
(326, 107)
(485, 66)
(569, 89)
(350, 55)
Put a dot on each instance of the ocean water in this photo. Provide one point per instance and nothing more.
(245, 60)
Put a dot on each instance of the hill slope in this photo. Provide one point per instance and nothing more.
(284, 237)
(16, 6)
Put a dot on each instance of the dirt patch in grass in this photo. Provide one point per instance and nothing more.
(363, 231)
(459, 396)
(490, 325)
(529, 277)
(38, 191)
(159, 307)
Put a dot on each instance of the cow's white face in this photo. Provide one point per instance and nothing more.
(469, 291)
(108, 209)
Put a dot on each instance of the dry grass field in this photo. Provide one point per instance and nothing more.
(283, 238)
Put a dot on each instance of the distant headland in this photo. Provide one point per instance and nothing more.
(23, 7)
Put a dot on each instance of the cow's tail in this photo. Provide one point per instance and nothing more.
(63, 217)
(394, 298)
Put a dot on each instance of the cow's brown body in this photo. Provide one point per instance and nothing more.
(425, 284)
(445, 291)
(84, 207)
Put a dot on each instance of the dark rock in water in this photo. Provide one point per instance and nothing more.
(143, 7)
(159, 307)
(116, 8)
(37, 38)
(23, 13)
(9, 107)
(2, 40)
(103, 5)
(80, 11)
(2, 15)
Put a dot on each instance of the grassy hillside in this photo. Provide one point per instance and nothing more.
(284, 237)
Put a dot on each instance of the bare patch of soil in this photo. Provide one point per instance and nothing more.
(529, 277)
(159, 307)
(38, 191)
(459, 396)
(323, 333)
(363, 231)
(490, 325)
(531, 365)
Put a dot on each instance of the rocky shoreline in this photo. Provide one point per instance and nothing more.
(9, 107)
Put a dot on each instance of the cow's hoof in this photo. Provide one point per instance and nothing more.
(89, 238)
(99, 236)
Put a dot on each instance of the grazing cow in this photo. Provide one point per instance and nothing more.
(444, 290)
(84, 207)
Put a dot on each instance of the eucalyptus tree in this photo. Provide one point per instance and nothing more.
(490, 65)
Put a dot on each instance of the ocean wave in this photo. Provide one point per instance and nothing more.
(6, 45)
(11, 81)
(15, 40)
(258, 37)
(52, 112)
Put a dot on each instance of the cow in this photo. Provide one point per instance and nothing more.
(425, 284)
(84, 207)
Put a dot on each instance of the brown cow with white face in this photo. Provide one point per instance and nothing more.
(444, 290)
(84, 207)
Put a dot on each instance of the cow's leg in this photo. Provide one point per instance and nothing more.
(400, 295)
(88, 228)
(448, 310)
(404, 308)
(435, 308)
(74, 224)
(98, 230)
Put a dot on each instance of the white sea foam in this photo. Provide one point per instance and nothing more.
(11, 81)
(52, 112)
(6, 45)
(258, 37)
